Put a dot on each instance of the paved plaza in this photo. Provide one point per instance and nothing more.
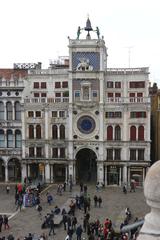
(113, 206)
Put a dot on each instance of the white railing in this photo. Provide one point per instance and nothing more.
(46, 100)
(128, 100)
(47, 71)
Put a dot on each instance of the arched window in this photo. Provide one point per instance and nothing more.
(2, 139)
(9, 139)
(133, 133)
(17, 111)
(38, 131)
(31, 131)
(9, 110)
(109, 133)
(141, 133)
(54, 132)
(18, 139)
(1, 111)
(117, 133)
(62, 132)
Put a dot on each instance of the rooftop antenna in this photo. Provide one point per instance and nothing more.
(129, 55)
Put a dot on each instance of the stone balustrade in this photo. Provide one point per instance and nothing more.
(151, 227)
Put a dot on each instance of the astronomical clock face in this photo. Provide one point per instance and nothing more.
(85, 61)
(86, 124)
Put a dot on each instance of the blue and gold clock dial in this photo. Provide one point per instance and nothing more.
(86, 124)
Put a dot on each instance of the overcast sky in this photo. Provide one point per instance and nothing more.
(37, 30)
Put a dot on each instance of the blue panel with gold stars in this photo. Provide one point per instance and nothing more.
(85, 61)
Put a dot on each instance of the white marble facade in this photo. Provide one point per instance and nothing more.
(77, 119)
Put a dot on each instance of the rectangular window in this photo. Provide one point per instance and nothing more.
(43, 95)
(109, 154)
(117, 84)
(113, 114)
(95, 94)
(139, 84)
(139, 97)
(36, 84)
(77, 94)
(110, 95)
(117, 95)
(55, 152)
(137, 114)
(31, 152)
(30, 114)
(57, 84)
(36, 95)
(38, 152)
(132, 97)
(117, 154)
(43, 85)
(61, 114)
(62, 152)
(133, 154)
(118, 114)
(139, 94)
(109, 84)
(54, 114)
(64, 84)
(140, 154)
(38, 113)
(57, 94)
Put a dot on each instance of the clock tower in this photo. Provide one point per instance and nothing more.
(88, 64)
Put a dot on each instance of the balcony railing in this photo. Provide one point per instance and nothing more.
(128, 100)
(46, 100)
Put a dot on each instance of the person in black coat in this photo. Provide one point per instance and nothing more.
(51, 227)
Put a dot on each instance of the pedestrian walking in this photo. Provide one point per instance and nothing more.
(5, 222)
(39, 209)
(7, 189)
(124, 189)
(51, 227)
(132, 186)
(19, 203)
(1, 222)
(79, 231)
(99, 201)
(70, 233)
(95, 200)
(65, 221)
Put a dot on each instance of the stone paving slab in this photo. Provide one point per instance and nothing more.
(114, 203)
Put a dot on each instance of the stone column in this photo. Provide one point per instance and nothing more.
(106, 176)
(28, 170)
(6, 173)
(47, 172)
(66, 173)
(120, 177)
(151, 227)
(125, 174)
(100, 172)
(24, 172)
(51, 173)
(70, 170)
(5, 111)
(13, 111)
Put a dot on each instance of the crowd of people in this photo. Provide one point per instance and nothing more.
(89, 228)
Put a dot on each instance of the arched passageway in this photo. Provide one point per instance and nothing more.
(14, 170)
(86, 166)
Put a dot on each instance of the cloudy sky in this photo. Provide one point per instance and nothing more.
(37, 30)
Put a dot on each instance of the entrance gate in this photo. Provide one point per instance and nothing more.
(86, 166)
